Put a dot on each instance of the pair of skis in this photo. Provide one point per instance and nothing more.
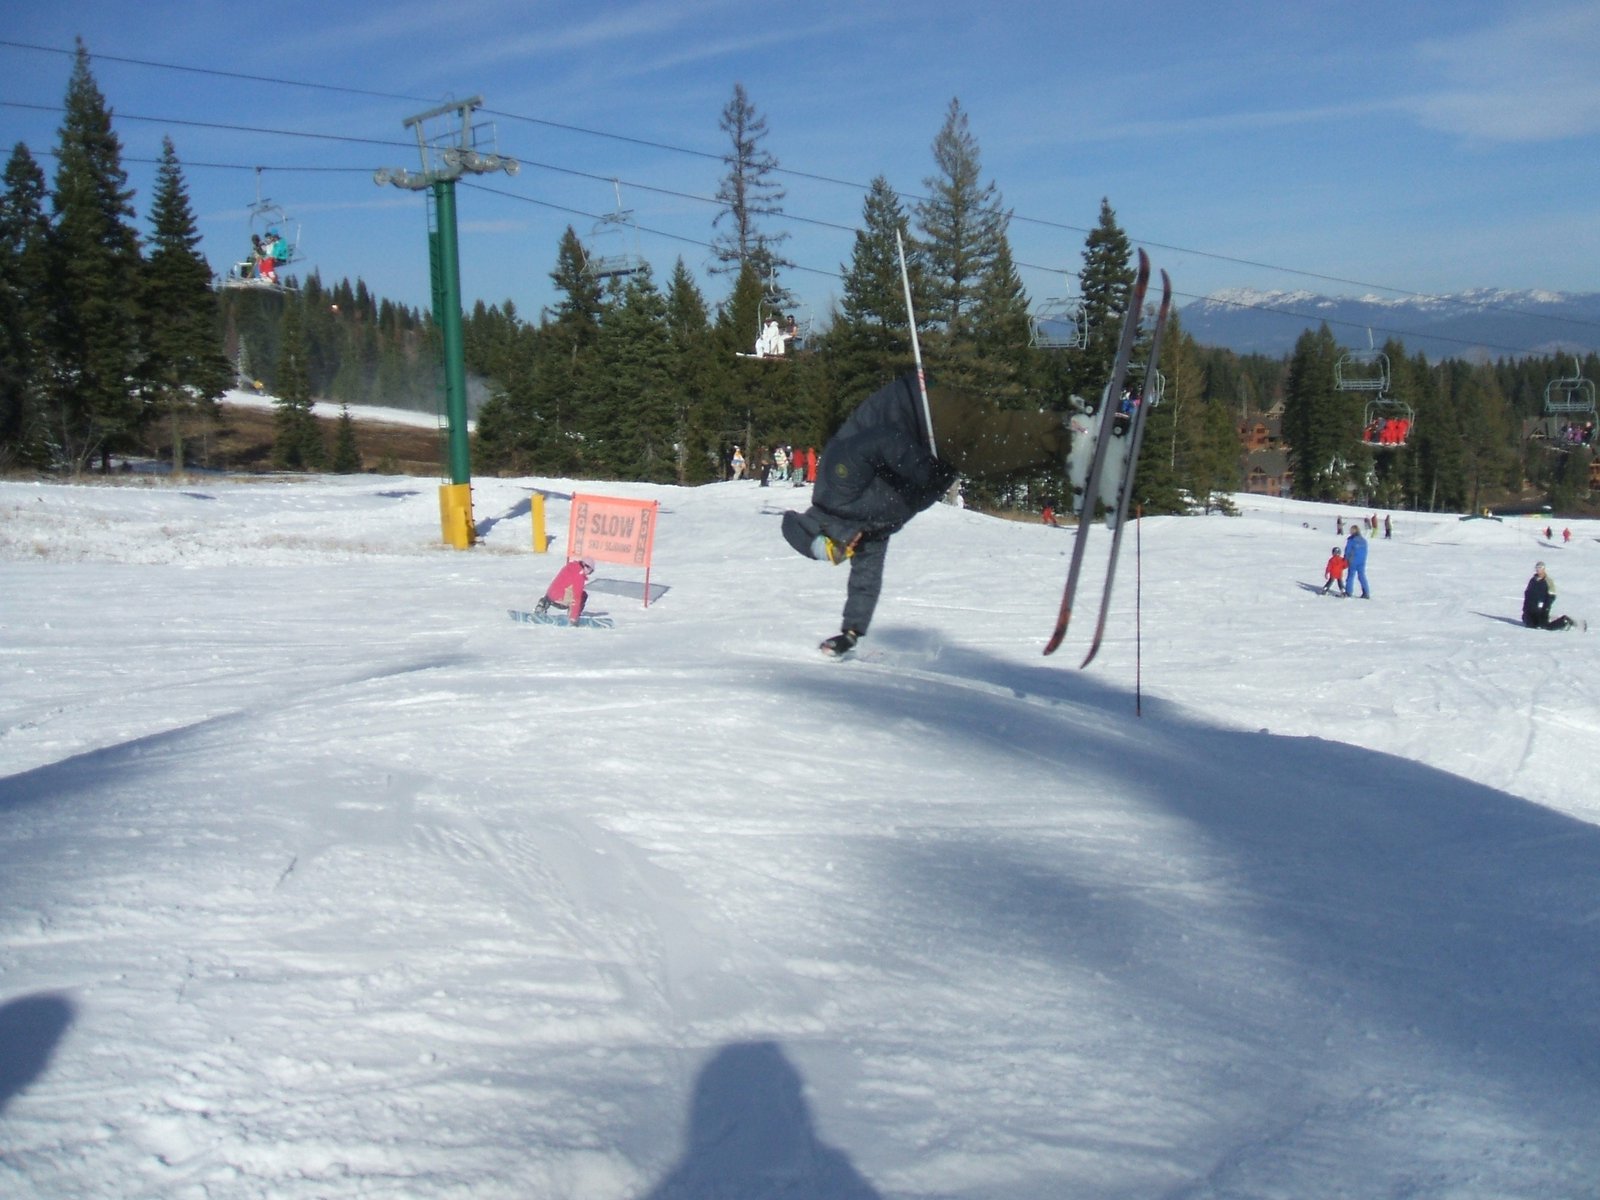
(1118, 449)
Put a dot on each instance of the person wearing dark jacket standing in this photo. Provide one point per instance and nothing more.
(878, 471)
(1355, 557)
(1537, 598)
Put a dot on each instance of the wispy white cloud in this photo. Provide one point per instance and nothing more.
(1531, 78)
(1240, 121)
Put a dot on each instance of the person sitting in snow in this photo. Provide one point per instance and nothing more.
(877, 472)
(1537, 598)
(568, 591)
(1333, 575)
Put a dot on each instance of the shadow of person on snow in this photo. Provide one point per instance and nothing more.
(30, 1028)
(750, 1135)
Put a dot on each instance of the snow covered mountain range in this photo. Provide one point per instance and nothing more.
(1477, 325)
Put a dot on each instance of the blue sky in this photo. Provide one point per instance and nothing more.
(1426, 147)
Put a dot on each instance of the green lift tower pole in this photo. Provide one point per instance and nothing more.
(448, 151)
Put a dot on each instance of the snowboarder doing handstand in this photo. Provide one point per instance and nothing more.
(1537, 598)
(877, 472)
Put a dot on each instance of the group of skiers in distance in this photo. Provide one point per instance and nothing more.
(780, 464)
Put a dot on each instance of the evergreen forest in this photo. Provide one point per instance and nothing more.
(115, 342)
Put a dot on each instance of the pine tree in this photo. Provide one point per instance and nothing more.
(1106, 281)
(870, 342)
(1191, 448)
(577, 313)
(183, 370)
(747, 193)
(95, 274)
(1320, 424)
(963, 235)
(298, 442)
(346, 454)
(636, 409)
(694, 367)
(24, 347)
(1001, 331)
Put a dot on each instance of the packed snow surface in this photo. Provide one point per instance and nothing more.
(320, 877)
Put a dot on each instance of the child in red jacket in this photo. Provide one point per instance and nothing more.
(568, 591)
(1334, 572)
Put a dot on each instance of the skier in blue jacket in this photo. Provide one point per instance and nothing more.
(1355, 554)
(877, 472)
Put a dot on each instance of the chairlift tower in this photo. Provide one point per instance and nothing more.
(450, 146)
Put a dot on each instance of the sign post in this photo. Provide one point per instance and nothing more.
(608, 529)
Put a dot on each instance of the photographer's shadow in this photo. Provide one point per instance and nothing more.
(30, 1029)
(750, 1135)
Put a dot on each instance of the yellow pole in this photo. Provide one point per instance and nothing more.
(455, 514)
(540, 542)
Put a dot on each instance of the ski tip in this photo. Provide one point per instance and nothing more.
(1056, 638)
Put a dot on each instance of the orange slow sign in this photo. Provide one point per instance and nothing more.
(606, 529)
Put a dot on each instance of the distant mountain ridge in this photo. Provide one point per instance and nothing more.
(1478, 325)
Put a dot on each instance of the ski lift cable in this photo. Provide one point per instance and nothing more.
(790, 216)
(1021, 264)
(798, 174)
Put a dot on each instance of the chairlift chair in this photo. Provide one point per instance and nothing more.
(1570, 395)
(266, 220)
(1388, 423)
(610, 233)
(1059, 323)
(1362, 371)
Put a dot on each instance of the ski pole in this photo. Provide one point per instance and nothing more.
(1138, 610)
(916, 347)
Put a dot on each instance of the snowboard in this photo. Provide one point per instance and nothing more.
(553, 617)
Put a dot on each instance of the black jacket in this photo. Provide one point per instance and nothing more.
(1536, 600)
(877, 472)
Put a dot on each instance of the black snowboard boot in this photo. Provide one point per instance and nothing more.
(840, 644)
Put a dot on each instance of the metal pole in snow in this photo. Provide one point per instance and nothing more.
(916, 347)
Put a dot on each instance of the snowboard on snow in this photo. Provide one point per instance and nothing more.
(555, 617)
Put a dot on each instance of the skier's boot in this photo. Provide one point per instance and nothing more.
(840, 644)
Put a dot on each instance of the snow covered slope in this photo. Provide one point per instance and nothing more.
(319, 877)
